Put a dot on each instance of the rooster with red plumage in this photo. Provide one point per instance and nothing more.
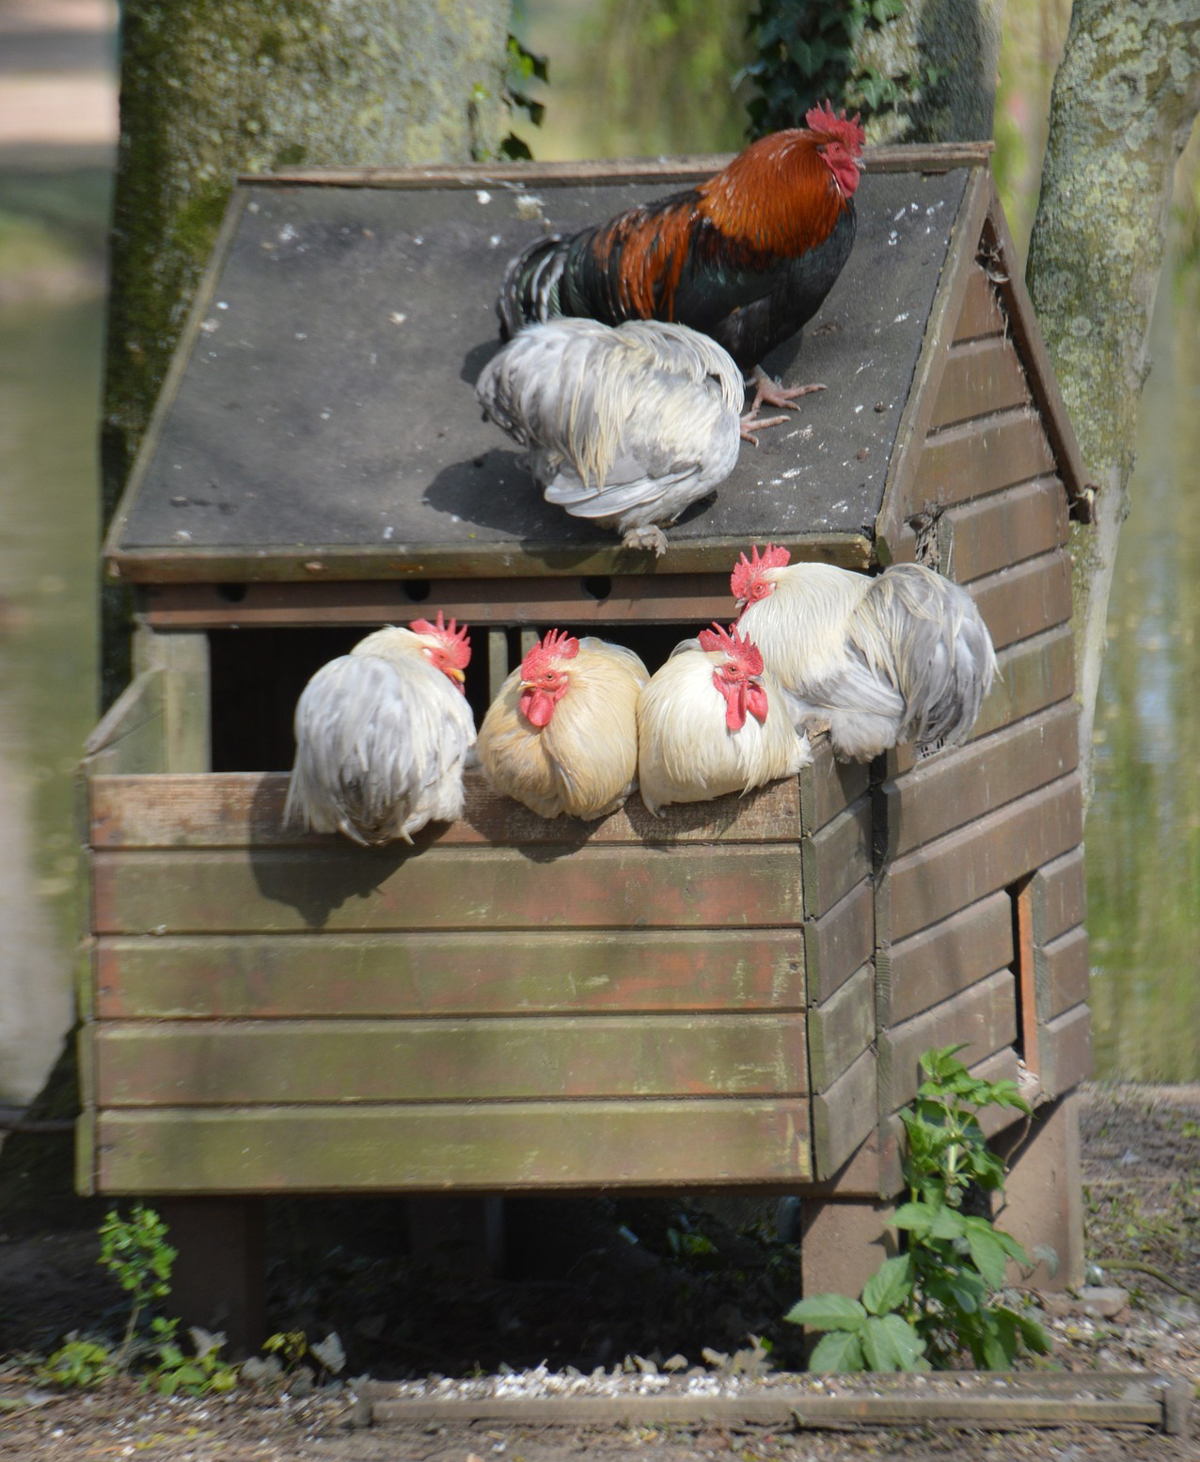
(746, 257)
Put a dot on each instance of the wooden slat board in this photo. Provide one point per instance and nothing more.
(432, 1147)
(943, 959)
(287, 890)
(476, 972)
(983, 1016)
(1026, 599)
(1065, 1051)
(1059, 896)
(952, 789)
(841, 1028)
(132, 735)
(839, 942)
(981, 457)
(843, 1115)
(283, 1062)
(981, 312)
(836, 858)
(828, 787)
(245, 809)
(1061, 973)
(935, 881)
(980, 377)
(1005, 528)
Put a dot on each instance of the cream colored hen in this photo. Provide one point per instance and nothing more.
(561, 735)
(382, 736)
(625, 426)
(712, 721)
(901, 657)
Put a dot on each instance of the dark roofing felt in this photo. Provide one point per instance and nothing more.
(328, 397)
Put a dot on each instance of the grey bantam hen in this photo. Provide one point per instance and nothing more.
(383, 735)
(624, 426)
(901, 657)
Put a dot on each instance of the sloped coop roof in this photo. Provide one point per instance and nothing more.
(320, 409)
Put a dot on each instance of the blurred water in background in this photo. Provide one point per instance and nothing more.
(1143, 833)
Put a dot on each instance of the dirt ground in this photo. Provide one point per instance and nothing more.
(583, 1294)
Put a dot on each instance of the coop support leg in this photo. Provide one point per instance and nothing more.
(1043, 1193)
(842, 1243)
(217, 1280)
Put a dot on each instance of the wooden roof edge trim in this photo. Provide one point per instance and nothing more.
(173, 380)
(913, 157)
(918, 410)
(169, 564)
(1079, 482)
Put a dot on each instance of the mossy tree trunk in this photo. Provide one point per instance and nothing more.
(213, 87)
(1124, 102)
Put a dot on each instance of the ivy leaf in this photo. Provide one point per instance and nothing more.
(827, 1312)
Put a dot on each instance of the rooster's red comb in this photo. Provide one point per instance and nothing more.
(836, 125)
(555, 645)
(747, 570)
(744, 651)
(456, 641)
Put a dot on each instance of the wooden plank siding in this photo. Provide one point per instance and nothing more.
(1024, 600)
(981, 313)
(1061, 973)
(297, 1062)
(1059, 896)
(473, 972)
(985, 535)
(982, 456)
(245, 810)
(980, 378)
(945, 958)
(936, 880)
(439, 1147)
(844, 1116)
(1065, 1051)
(288, 890)
(841, 1028)
(840, 942)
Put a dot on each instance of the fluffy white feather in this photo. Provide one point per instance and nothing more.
(687, 751)
(382, 737)
(901, 657)
(625, 426)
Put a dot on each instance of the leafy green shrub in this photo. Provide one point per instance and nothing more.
(924, 1308)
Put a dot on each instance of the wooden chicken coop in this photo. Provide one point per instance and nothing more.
(734, 996)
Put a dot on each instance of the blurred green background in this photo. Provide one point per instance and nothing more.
(627, 77)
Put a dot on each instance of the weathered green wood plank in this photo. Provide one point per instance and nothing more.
(981, 313)
(472, 973)
(844, 1115)
(836, 858)
(341, 888)
(940, 878)
(1025, 599)
(1059, 896)
(435, 1148)
(1061, 973)
(982, 456)
(1065, 1051)
(245, 809)
(995, 532)
(937, 963)
(839, 942)
(980, 377)
(841, 1028)
(1033, 674)
(983, 1017)
(828, 787)
(132, 735)
(283, 1062)
(953, 788)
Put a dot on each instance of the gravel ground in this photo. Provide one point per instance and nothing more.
(590, 1299)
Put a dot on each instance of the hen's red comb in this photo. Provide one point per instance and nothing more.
(555, 645)
(456, 641)
(744, 651)
(847, 130)
(747, 570)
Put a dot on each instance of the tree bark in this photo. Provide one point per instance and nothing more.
(213, 87)
(1124, 102)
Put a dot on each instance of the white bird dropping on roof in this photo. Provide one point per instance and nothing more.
(626, 426)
